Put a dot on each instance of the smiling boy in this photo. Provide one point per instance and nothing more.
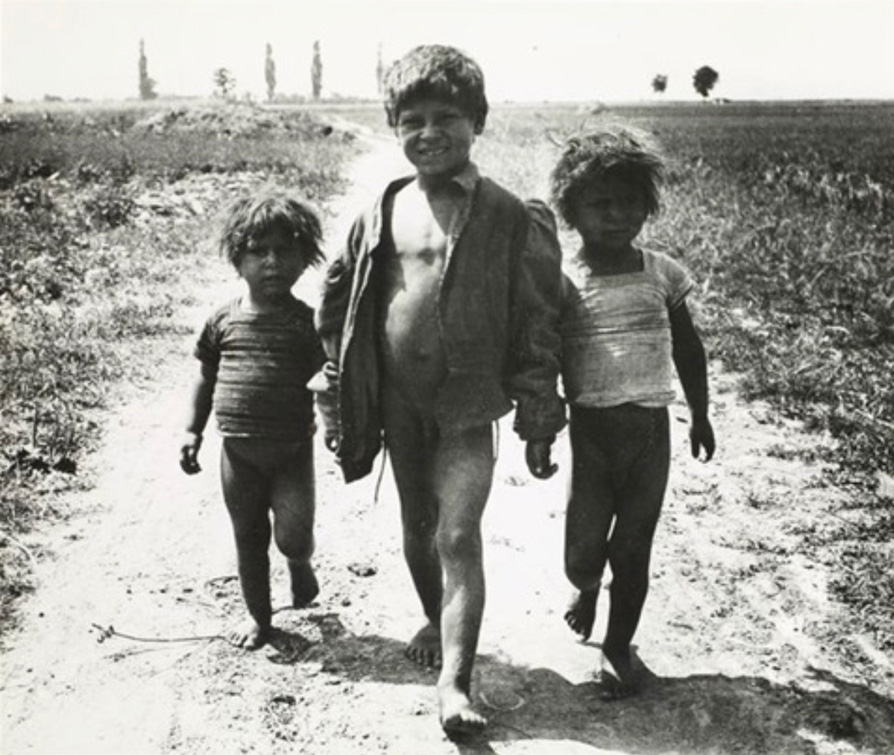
(440, 313)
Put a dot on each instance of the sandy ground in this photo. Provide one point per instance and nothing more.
(741, 647)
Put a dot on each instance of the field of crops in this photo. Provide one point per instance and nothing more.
(784, 213)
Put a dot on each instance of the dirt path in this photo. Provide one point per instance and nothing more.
(740, 644)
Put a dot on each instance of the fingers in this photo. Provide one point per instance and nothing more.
(697, 443)
(189, 461)
(544, 472)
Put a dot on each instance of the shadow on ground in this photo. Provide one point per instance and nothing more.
(694, 714)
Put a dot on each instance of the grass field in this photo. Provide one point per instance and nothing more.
(783, 212)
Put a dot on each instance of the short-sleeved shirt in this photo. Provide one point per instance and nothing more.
(616, 333)
(264, 361)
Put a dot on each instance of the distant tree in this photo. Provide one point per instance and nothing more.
(704, 80)
(270, 73)
(224, 83)
(147, 85)
(316, 72)
(380, 71)
(659, 83)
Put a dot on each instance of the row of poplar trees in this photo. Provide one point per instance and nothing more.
(224, 82)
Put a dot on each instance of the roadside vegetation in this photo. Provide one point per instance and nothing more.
(784, 213)
(106, 215)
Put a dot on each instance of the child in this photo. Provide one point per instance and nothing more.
(624, 322)
(442, 308)
(256, 354)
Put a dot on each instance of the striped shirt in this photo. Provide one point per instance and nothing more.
(616, 334)
(264, 361)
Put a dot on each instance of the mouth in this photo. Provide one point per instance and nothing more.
(432, 151)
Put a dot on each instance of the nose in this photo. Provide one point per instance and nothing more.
(270, 258)
(430, 128)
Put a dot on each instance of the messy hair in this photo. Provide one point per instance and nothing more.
(438, 72)
(615, 153)
(250, 217)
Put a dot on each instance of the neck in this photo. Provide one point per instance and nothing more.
(263, 304)
(613, 259)
(438, 182)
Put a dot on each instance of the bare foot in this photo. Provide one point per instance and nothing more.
(458, 718)
(304, 583)
(581, 613)
(425, 647)
(616, 675)
(249, 635)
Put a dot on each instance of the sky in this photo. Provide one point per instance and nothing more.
(563, 50)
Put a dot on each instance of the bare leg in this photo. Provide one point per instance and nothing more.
(589, 516)
(411, 448)
(293, 502)
(245, 493)
(463, 475)
(630, 548)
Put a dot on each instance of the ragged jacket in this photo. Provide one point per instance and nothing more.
(498, 307)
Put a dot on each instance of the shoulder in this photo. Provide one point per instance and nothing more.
(575, 267)
(497, 194)
(662, 263)
(368, 222)
(222, 314)
(301, 310)
(671, 275)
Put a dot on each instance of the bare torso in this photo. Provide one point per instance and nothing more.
(410, 276)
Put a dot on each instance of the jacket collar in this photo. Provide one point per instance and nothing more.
(467, 179)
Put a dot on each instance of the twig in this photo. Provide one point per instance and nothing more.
(108, 632)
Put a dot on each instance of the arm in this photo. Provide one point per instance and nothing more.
(201, 393)
(689, 359)
(535, 340)
(330, 321)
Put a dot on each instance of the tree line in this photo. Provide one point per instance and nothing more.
(224, 82)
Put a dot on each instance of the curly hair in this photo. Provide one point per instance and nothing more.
(616, 153)
(250, 217)
(439, 72)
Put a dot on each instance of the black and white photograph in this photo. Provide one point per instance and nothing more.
(507, 377)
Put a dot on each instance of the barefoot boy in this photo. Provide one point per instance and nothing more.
(256, 355)
(625, 326)
(441, 310)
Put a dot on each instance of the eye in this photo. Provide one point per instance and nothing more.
(410, 124)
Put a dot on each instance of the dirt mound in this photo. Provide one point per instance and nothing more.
(237, 120)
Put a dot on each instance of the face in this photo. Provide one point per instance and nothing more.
(271, 265)
(436, 137)
(610, 213)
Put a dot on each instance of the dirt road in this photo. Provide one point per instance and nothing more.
(741, 646)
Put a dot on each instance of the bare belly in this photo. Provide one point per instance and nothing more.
(411, 348)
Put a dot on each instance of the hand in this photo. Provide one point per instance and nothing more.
(701, 436)
(189, 453)
(537, 455)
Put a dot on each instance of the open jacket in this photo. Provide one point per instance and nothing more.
(498, 309)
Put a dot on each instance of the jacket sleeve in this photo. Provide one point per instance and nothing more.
(336, 294)
(535, 340)
(330, 321)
